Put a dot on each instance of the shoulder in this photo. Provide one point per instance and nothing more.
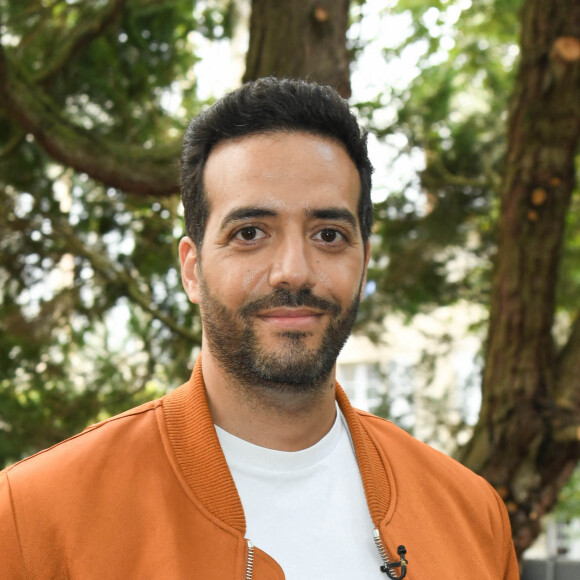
(401, 444)
(441, 493)
(437, 502)
(98, 442)
(94, 472)
(424, 470)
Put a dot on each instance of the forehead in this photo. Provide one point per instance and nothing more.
(280, 170)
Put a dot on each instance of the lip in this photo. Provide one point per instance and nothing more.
(292, 318)
(290, 313)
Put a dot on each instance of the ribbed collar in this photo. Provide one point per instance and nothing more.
(204, 467)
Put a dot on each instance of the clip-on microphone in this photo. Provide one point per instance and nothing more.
(388, 569)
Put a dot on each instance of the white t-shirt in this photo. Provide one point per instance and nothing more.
(306, 509)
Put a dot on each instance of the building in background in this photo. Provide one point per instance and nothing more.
(424, 375)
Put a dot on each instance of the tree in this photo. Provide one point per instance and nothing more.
(88, 172)
(526, 441)
(81, 100)
(300, 39)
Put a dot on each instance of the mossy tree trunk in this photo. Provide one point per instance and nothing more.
(527, 440)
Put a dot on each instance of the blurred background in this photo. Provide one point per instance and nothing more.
(469, 333)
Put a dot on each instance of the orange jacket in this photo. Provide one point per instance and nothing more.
(148, 494)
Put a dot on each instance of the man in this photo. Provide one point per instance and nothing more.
(259, 468)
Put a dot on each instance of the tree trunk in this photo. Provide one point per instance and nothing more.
(300, 39)
(526, 441)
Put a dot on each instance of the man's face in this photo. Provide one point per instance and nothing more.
(282, 262)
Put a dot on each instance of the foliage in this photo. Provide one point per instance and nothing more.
(91, 317)
(439, 240)
(568, 506)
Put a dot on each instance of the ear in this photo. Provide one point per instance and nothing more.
(364, 278)
(188, 259)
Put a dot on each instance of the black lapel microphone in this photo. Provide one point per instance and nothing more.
(389, 569)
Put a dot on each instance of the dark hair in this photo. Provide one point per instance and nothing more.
(270, 105)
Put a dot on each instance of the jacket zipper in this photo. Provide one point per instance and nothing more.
(386, 568)
(378, 543)
(250, 560)
(381, 547)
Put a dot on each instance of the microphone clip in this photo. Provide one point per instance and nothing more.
(389, 569)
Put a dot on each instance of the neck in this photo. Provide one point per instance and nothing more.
(276, 417)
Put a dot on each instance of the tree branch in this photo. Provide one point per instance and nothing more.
(81, 36)
(12, 144)
(129, 168)
(435, 164)
(120, 277)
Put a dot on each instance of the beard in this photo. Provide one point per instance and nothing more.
(292, 366)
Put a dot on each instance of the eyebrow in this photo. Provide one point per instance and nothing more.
(331, 213)
(335, 214)
(246, 213)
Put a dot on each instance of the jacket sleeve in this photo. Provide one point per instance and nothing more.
(508, 559)
(11, 562)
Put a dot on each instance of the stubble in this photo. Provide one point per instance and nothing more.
(288, 373)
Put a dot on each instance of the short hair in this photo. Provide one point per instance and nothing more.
(270, 105)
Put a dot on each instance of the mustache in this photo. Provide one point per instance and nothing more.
(282, 297)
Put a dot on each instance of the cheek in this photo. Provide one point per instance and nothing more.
(236, 286)
(251, 280)
(324, 279)
(341, 282)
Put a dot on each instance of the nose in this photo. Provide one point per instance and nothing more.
(291, 266)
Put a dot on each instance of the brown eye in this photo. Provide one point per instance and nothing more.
(329, 236)
(248, 233)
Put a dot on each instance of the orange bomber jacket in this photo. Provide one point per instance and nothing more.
(148, 494)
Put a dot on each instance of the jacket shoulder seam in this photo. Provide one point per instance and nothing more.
(125, 415)
(16, 523)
